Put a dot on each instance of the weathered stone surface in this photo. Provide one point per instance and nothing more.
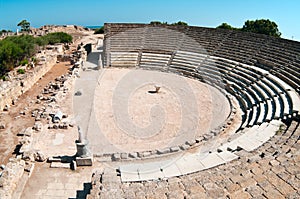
(124, 155)
(116, 156)
(175, 149)
(38, 126)
(163, 151)
(60, 165)
(39, 156)
(86, 161)
(29, 155)
(133, 155)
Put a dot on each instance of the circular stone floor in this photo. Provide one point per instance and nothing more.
(128, 116)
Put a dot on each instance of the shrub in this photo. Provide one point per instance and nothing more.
(158, 23)
(24, 62)
(56, 37)
(4, 77)
(15, 50)
(180, 23)
(99, 30)
(21, 71)
(226, 26)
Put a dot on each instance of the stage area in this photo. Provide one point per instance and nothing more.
(130, 116)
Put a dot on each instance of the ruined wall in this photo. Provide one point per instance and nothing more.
(10, 90)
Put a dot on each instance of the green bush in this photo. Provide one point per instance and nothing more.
(21, 71)
(99, 30)
(24, 62)
(180, 23)
(56, 37)
(260, 26)
(226, 26)
(4, 77)
(15, 50)
(158, 23)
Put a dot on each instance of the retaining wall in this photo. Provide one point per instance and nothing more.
(10, 90)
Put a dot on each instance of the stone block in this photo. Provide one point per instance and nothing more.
(175, 149)
(185, 146)
(199, 139)
(163, 151)
(116, 156)
(191, 142)
(133, 155)
(60, 165)
(86, 161)
(73, 165)
(124, 155)
(146, 154)
(54, 159)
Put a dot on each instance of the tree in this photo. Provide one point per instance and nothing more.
(262, 26)
(226, 26)
(25, 25)
(99, 30)
(57, 37)
(180, 23)
(158, 23)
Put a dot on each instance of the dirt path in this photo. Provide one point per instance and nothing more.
(15, 122)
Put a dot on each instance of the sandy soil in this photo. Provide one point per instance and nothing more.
(132, 118)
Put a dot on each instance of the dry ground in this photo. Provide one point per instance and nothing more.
(132, 118)
(15, 122)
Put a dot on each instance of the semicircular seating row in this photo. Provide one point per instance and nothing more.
(264, 78)
(262, 95)
(280, 57)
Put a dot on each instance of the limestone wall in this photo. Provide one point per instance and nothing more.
(10, 90)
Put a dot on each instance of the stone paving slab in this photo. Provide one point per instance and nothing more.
(189, 164)
(171, 171)
(254, 137)
(227, 156)
(212, 160)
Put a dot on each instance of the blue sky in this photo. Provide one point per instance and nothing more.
(208, 13)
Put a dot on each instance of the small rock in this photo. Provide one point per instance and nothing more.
(40, 96)
(37, 126)
(6, 108)
(28, 156)
(29, 167)
(2, 126)
(39, 156)
(78, 93)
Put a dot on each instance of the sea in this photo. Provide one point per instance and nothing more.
(93, 27)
